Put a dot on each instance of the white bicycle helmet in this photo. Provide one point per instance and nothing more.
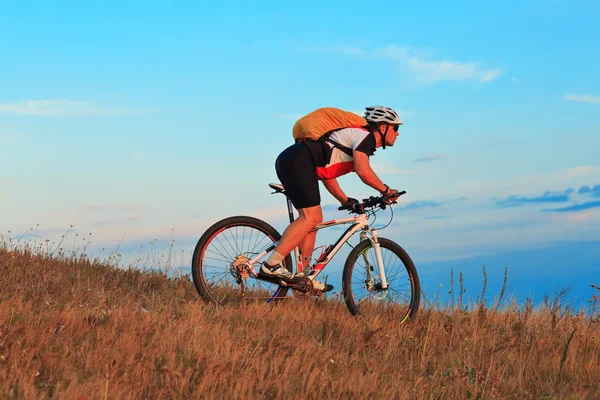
(381, 114)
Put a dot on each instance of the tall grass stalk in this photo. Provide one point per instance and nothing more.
(76, 327)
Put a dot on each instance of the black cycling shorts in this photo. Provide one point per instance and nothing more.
(296, 170)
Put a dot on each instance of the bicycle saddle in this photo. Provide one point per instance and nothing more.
(277, 187)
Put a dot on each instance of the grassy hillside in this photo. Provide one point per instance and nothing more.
(72, 328)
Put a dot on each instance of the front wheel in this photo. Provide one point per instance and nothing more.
(220, 262)
(362, 287)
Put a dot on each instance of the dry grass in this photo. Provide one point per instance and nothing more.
(75, 328)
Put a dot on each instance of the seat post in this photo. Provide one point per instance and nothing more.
(290, 208)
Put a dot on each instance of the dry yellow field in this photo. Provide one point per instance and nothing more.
(75, 329)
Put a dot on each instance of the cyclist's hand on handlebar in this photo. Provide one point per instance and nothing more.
(348, 204)
(390, 196)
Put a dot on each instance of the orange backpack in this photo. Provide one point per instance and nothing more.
(319, 123)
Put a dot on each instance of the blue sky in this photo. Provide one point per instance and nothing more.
(153, 120)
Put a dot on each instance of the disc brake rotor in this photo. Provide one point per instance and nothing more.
(377, 292)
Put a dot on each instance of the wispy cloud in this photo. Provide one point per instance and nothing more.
(113, 208)
(586, 190)
(577, 171)
(389, 169)
(44, 233)
(554, 197)
(547, 197)
(416, 205)
(424, 68)
(432, 157)
(576, 207)
(67, 108)
(585, 98)
(117, 221)
(436, 71)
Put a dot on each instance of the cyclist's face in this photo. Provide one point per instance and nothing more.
(392, 135)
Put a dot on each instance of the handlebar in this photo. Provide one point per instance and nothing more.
(371, 202)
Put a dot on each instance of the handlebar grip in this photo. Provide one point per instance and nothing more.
(359, 208)
(356, 208)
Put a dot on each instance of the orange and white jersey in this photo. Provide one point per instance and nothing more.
(332, 161)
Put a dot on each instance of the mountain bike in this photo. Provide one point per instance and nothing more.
(378, 274)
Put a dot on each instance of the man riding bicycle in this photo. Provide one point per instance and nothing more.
(303, 164)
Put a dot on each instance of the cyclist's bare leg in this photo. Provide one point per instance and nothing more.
(296, 233)
(307, 246)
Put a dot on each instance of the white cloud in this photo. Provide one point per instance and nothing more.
(271, 214)
(388, 169)
(532, 185)
(66, 108)
(113, 207)
(577, 171)
(117, 221)
(436, 71)
(585, 217)
(418, 63)
(585, 98)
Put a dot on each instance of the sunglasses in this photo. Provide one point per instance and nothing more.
(395, 128)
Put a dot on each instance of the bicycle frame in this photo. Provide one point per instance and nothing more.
(359, 222)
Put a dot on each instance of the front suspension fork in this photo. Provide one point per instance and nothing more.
(364, 235)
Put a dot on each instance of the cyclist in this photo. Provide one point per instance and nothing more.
(303, 164)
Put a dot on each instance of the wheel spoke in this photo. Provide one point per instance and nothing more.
(215, 251)
(236, 248)
(220, 280)
(216, 259)
(229, 256)
(393, 277)
(235, 241)
(210, 267)
(399, 294)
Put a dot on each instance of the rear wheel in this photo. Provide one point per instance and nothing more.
(219, 263)
(362, 284)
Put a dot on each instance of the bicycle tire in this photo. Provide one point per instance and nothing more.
(405, 275)
(223, 258)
